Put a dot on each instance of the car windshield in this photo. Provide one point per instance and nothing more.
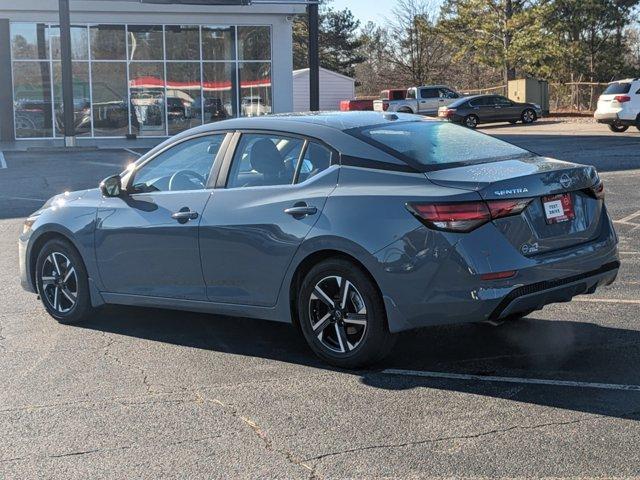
(428, 145)
(617, 88)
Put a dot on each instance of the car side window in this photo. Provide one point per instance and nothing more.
(446, 93)
(411, 94)
(185, 166)
(482, 102)
(502, 101)
(429, 93)
(262, 160)
(315, 160)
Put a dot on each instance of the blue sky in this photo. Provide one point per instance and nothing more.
(365, 10)
(374, 10)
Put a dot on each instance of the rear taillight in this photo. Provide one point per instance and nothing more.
(446, 112)
(622, 98)
(465, 216)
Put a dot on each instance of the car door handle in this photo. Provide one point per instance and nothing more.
(184, 215)
(301, 210)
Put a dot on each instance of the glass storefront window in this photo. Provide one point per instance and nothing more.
(145, 42)
(254, 43)
(81, 98)
(182, 42)
(184, 96)
(108, 42)
(110, 99)
(150, 80)
(79, 43)
(146, 87)
(255, 88)
(218, 43)
(29, 41)
(218, 91)
(32, 99)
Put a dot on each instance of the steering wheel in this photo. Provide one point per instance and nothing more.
(186, 176)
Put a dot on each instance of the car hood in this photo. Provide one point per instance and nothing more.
(63, 199)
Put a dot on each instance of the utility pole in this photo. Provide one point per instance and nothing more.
(314, 58)
(67, 74)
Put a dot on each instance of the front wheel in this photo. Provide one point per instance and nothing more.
(529, 116)
(342, 315)
(62, 282)
(617, 127)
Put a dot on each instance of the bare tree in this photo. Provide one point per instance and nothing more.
(418, 51)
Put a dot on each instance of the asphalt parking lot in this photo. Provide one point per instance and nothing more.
(141, 393)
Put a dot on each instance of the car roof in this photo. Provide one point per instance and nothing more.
(328, 127)
(332, 119)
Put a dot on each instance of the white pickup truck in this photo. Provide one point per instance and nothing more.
(425, 100)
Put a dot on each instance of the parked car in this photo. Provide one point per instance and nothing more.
(424, 100)
(351, 225)
(471, 111)
(619, 105)
(356, 105)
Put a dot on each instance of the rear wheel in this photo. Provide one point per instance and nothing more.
(62, 282)
(342, 315)
(528, 116)
(471, 121)
(617, 127)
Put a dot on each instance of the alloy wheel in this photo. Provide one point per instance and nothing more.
(528, 116)
(338, 314)
(471, 121)
(59, 282)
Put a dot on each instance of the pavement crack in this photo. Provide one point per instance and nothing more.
(263, 437)
(109, 354)
(496, 431)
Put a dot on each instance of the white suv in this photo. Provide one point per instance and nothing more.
(619, 105)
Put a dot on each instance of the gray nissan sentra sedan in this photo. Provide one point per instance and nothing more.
(352, 226)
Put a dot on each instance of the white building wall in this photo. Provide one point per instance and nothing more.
(334, 87)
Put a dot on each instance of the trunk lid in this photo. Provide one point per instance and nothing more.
(538, 229)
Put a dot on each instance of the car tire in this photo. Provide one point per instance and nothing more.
(62, 282)
(638, 122)
(617, 127)
(528, 116)
(405, 110)
(471, 121)
(342, 315)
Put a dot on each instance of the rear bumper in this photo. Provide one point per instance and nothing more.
(441, 282)
(537, 295)
(613, 117)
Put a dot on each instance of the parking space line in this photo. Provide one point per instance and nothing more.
(629, 217)
(3, 162)
(605, 300)
(133, 152)
(495, 379)
(28, 199)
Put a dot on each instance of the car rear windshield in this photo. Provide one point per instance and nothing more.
(429, 145)
(617, 88)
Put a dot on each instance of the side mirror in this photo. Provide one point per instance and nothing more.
(111, 186)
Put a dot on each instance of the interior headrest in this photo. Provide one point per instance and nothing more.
(266, 158)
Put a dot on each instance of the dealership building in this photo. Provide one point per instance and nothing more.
(140, 69)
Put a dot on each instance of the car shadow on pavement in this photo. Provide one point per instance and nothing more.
(528, 348)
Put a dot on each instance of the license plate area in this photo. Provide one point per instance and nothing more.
(558, 208)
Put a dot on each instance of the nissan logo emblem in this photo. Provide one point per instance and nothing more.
(565, 180)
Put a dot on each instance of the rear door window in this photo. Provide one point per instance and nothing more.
(429, 93)
(617, 88)
(315, 160)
